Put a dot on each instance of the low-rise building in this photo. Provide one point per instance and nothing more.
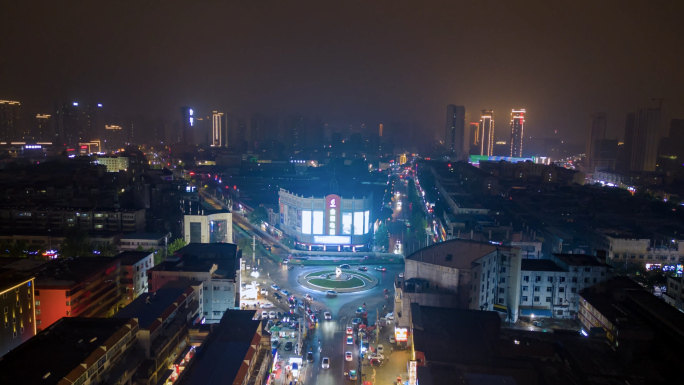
(114, 163)
(134, 266)
(18, 310)
(675, 292)
(53, 218)
(626, 249)
(80, 351)
(216, 227)
(237, 351)
(214, 264)
(146, 241)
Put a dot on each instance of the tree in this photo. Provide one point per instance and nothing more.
(258, 215)
(382, 237)
(385, 214)
(107, 249)
(176, 245)
(76, 244)
(288, 242)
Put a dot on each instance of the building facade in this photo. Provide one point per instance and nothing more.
(60, 219)
(114, 163)
(517, 132)
(455, 131)
(9, 120)
(134, 266)
(18, 311)
(487, 133)
(210, 228)
(327, 222)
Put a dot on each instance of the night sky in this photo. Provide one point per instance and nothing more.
(351, 61)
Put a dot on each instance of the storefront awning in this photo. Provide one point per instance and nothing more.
(535, 313)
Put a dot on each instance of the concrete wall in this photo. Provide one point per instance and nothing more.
(440, 277)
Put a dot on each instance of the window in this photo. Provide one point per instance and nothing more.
(502, 280)
(549, 289)
(573, 290)
(37, 303)
(536, 299)
(586, 280)
(537, 288)
(37, 311)
(574, 279)
(68, 303)
(502, 290)
(524, 298)
(561, 290)
(561, 279)
(6, 309)
(537, 279)
(525, 288)
(549, 279)
(559, 312)
(501, 301)
(526, 278)
(548, 299)
(503, 269)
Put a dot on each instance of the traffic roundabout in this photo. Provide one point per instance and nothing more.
(340, 280)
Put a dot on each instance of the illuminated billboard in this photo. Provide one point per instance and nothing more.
(332, 239)
(401, 334)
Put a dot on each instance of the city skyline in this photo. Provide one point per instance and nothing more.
(328, 78)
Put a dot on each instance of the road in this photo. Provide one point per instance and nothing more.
(333, 333)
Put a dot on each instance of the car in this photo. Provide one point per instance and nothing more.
(350, 340)
(288, 345)
(309, 357)
(350, 330)
(331, 293)
(356, 321)
(308, 297)
(352, 375)
(266, 305)
(348, 356)
(390, 317)
(285, 292)
(392, 340)
(359, 310)
(277, 296)
(272, 314)
(380, 268)
(345, 266)
(325, 364)
(363, 268)
(264, 315)
(327, 315)
(285, 261)
(275, 287)
(380, 349)
(292, 306)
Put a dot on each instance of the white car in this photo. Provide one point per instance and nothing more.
(272, 315)
(348, 356)
(264, 315)
(266, 305)
(327, 315)
(325, 364)
(392, 340)
(380, 349)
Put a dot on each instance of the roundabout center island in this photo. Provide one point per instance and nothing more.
(340, 280)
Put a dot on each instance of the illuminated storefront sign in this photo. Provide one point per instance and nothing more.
(401, 334)
(332, 239)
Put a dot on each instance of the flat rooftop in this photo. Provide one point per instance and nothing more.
(145, 236)
(579, 260)
(148, 307)
(539, 265)
(222, 356)
(65, 272)
(463, 253)
(57, 350)
(129, 258)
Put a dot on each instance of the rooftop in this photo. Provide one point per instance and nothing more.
(222, 356)
(456, 253)
(66, 272)
(58, 350)
(455, 335)
(148, 307)
(579, 260)
(146, 236)
(538, 265)
(132, 257)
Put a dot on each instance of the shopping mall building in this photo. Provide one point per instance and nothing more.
(329, 222)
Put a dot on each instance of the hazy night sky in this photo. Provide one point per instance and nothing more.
(350, 61)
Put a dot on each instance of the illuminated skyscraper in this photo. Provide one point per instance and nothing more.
(517, 132)
(487, 130)
(217, 129)
(186, 134)
(9, 120)
(42, 129)
(455, 130)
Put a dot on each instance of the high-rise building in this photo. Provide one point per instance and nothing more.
(474, 139)
(455, 130)
(217, 130)
(42, 129)
(517, 132)
(77, 123)
(641, 139)
(186, 134)
(9, 120)
(487, 133)
(597, 132)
